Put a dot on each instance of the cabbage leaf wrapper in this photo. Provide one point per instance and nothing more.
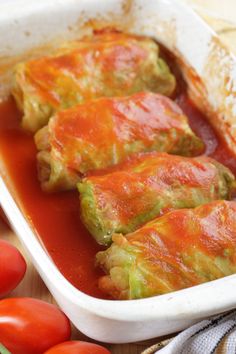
(147, 186)
(105, 64)
(103, 132)
(181, 249)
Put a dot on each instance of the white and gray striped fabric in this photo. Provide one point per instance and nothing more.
(213, 336)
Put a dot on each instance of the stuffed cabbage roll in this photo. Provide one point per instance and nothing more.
(106, 64)
(178, 250)
(146, 187)
(103, 132)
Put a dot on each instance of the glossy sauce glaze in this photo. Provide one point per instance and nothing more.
(136, 186)
(108, 129)
(187, 247)
(55, 217)
(107, 53)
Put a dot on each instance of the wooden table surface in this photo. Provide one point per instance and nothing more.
(221, 15)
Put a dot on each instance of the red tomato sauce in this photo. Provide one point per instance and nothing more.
(55, 217)
(215, 147)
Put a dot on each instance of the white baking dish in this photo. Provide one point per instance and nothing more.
(29, 28)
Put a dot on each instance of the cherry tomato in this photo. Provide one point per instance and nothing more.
(77, 347)
(12, 267)
(31, 326)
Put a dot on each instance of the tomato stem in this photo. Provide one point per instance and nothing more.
(3, 350)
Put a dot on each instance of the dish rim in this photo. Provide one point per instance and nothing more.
(161, 306)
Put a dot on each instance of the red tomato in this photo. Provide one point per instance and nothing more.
(77, 347)
(31, 326)
(12, 267)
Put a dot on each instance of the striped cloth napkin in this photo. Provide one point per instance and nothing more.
(216, 335)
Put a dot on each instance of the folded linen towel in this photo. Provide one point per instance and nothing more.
(216, 335)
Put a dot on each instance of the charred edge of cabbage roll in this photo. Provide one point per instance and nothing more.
(37, 112)
(52, 173)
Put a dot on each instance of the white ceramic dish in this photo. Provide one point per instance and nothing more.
(28, 25)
